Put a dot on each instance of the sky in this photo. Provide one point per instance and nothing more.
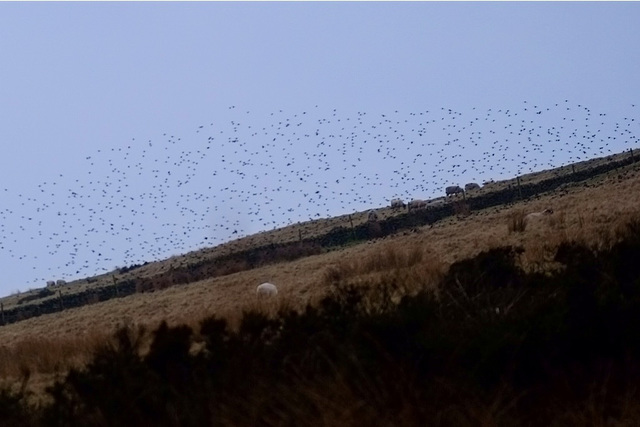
(131, 132)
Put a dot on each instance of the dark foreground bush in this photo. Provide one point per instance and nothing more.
(493, 346)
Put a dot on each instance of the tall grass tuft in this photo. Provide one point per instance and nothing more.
(411, 267)
(517, 221)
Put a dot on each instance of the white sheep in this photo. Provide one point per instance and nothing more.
(416, 204)
(397, 204)
(267, 289)
(533, 215)
(472, 186)
(453, 190)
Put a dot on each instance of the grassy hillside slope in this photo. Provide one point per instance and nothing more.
(590, 212)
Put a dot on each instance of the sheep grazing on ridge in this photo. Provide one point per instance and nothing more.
(372, 216)
(397, 204)
(267, 289)
(416, 204)
(50, 283)
(61, 282)
(472, 186)
(453, 190)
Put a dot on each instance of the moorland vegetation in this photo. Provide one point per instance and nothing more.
(477, 319)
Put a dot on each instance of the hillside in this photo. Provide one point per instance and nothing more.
(298, 240)
(588, 210)
(476, 318)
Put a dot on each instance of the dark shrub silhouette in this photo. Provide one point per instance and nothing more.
(14, 410)
(535, 345)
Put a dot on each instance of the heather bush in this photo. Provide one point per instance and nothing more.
(492, 345)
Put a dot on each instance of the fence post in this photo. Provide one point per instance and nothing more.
(353, 232)
(519, 189)
(60, 300)
(633, 160)
(115, 284)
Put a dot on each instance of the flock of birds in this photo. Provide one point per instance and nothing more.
(146, 200)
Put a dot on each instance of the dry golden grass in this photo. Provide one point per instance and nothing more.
(53, 343)
(319, 227)
(517, 221)
(409, 268)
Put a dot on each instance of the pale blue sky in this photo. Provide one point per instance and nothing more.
(135, 131)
